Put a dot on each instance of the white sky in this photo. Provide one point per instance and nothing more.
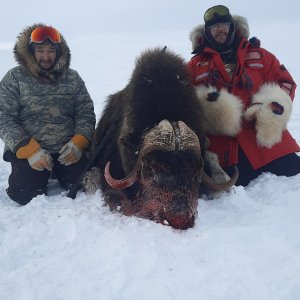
(94, 16)
(99, 32)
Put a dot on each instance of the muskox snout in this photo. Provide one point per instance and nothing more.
(182, 211)
(180, 204)
(182, 222)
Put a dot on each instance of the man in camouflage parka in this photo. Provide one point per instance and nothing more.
(46, 115)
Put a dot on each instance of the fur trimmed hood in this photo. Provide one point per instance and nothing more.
(25, 58)
(240, 23)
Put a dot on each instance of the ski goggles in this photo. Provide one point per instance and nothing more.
(218, 13)
(40, 34)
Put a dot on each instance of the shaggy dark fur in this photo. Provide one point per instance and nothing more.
(159, 88)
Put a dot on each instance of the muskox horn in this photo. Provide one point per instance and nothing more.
(170, 137)
(217, 187)
(186, 138)
(120, 184)
(160, 137)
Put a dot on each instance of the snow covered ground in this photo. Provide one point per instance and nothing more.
(245, 244)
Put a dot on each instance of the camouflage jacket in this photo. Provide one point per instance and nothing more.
(49, 106)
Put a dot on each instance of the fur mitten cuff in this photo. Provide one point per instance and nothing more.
(271, 108)
(222, 111)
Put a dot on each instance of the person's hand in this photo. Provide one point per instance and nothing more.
(41, 160)
(270, 110)
(69, 154)
(252, 111)
(257, 107)
(270, 121)
(222, 111)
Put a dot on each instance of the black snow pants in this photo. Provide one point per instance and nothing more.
(26, 183)
(288, 165)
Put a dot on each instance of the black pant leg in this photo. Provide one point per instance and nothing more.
(24, 182)
(288, 165)
(246, 171)
(69, 175)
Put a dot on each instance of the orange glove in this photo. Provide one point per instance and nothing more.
(71, 152)
(28, 150)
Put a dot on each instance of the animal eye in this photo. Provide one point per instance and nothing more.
(147, 79)
(181, 80)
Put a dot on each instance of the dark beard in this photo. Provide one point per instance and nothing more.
(48, 68)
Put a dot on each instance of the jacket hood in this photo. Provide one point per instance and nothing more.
(241, 27)
(25, 58)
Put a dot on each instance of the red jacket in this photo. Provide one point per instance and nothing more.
(254, 67)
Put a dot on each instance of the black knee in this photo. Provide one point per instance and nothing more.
(23, 197)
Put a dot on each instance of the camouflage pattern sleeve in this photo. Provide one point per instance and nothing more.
(84, 118)
(11, 131)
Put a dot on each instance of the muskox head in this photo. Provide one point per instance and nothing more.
(167, 175)
(147, 167)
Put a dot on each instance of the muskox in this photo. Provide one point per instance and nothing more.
(150, 148)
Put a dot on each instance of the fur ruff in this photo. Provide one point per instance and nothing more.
(240, 23)
(91, 180)
(217, 173)
(269, 126)
(26, 59)
(223, 116)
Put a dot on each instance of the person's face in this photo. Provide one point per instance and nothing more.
(45, 55)
(219, 31)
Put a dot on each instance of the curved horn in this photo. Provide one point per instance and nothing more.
(160, 137)
(120, 184)
(187, 138)
(217, 187)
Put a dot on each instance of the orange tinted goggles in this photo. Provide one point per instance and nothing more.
(40, 34)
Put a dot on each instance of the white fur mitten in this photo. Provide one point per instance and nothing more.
(271, 108)
(222, 111)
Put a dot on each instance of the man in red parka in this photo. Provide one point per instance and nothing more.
(246, 96)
